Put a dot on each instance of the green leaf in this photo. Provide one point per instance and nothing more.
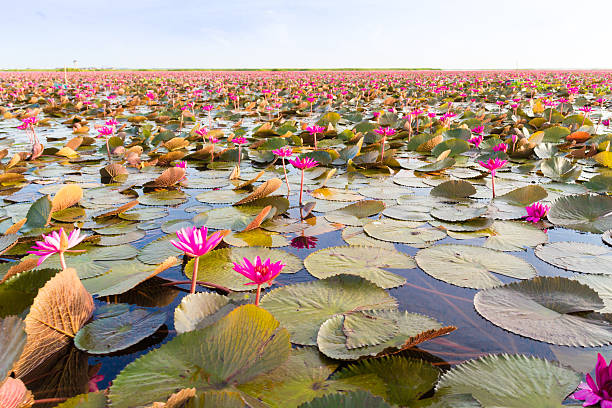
(500, 381)
(303, 307)
(524, 196)
(555, 310)
(355, 214)
(471, 266)
(577, 256)
(199, 310)
(218, 266)
(589, 213)
(12, 342)
(18, 292)
(38, 214)
(404, 232)
(355, 399)
(245, 344)
(560, 169)
(90, 400)
(119, 331)
(412, 328)
(366, 262)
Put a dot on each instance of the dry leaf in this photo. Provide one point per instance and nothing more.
(176, 400)
(66, 152)
(14, 394)
(119, 210)
(262, 191)
(66, 197)
(16, 159)
(13, 229)
(25, 265)
(176, 143)
(112, 170)
(235, 173)
(259, 219)
(251, 181)
(59, 310)
(168, 178)
(75, 142)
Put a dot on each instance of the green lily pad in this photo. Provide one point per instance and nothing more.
(356, 214)
(356, 236)
(577, 256)
(453, 189)
(12, 342)
(602, 284)
(163, 197)
(206, 359)
(349, 400)
(454, 213)
(114, 332)
(590, 213)
(514, 236)
(560, 169)
(89, 400)
(199, 310)
(157, 251)
(19, 291)
(144, 214)
(303, 307)
(524, 196)
(555, 310)
(412, 329)
(257, 237)
(234, 218)
(217, 266)
(366, 262)
(221, 196)
(471, 266)
(499, 381)
(405, 232)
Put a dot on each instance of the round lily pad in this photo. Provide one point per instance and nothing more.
(163, 197)
(590, 213)
(368, 262)
(405, 232)
(471, 266)
(217, 266)
(555, 310)
(118, 331)
(303, 307)
(500, 381)
(577, 256)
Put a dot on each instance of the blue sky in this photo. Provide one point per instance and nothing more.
(478, 34)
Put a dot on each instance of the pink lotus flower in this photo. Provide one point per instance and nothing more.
(111, 122)
(213, 140)
(476, 140)
(207, 108)
(501, 147)
(283, 152)
(599, 391)
(536, 211)
(492, 166)
(313, 130)
(202, 132)
(384, 132)
(57, 243)
(105, 131)
(478, 130)
(259, 273)
(239, 140)
(181, 164)
(302, 164)
(195, 243)
(606, 122)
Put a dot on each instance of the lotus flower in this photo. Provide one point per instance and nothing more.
(384, 132)
(57, 243)
(476, 140)
(181, 164)
(501, 147)
(259, 272)
(195, 243)
(599, 391)
(313, 130)
(105, 131)
(536, 211)
(282, 153)
(302, 164)
(239, 141)
(492, 166)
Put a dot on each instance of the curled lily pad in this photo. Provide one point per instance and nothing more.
(412, 329)
(602, 284)
(499, 381)
(524, 196)
(367, 262)
(206, 359)
(217, 266)
(577, 256)
(199, 310)
(118, 331)
(405, 232)
(560, 169)
(555, 310)
(357, 213)
(471, 266)
(590, 213)
(303, 307)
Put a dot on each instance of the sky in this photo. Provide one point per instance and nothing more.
(466, 34)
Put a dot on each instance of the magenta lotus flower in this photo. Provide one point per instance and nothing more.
(476, 140)
(536, 211)
(492, 166)
(195, 243)
(599, 391)
(57, 242)
(500, 147)
(202, 132)
(111, 122)
(207, 108)
(282, 153)
(259, 272)
(313, 130)
(181, 164)
(105, 131)
(239, 141)
(384, 132)
(302, 164)
(478, 130)
(213, 140)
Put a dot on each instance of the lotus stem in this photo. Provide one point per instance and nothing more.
(493, 183)
(194, 278)
(286, 179)
(301, 187)
(382, 150)
(258, 295)
(62, 260)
